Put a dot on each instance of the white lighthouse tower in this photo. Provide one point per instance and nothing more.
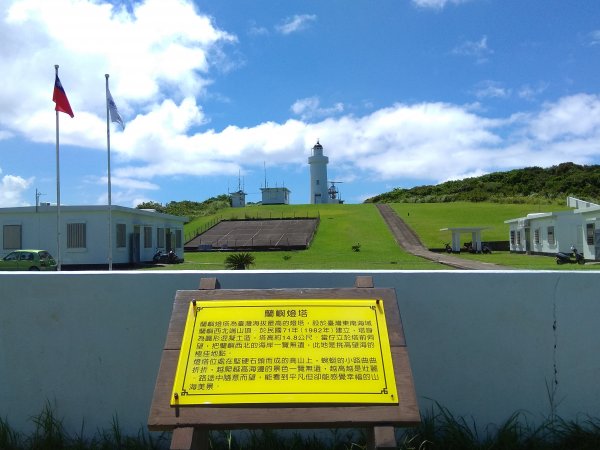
(318, 175)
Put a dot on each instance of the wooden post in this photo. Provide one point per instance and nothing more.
(208, 284)
(381, 438)
(363, 282)
(189, 438)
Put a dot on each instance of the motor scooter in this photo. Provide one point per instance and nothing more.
(166, 258)
(573, 258)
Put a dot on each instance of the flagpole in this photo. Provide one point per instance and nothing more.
(58, 257)
(110, 246)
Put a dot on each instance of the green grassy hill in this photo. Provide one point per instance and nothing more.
(343, 226)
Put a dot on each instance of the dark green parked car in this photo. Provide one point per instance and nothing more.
(28, 260)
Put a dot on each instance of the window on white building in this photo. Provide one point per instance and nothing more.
(590, 229)
(121, 235)
(160, 237)
(11, 237)
(536, 236)
(551, 240)
(76, 235)
(147, 237)
(178, 240)
(519, 237)
(512, 237)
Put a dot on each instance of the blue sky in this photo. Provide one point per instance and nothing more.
(400, 93)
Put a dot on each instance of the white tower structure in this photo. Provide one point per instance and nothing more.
(318, 175)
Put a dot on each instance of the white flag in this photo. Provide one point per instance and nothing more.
(114, 112)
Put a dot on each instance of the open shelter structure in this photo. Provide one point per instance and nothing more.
(475, 237)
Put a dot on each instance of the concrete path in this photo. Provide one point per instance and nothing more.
(407, 239)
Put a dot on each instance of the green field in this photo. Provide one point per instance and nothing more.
(343, 226)
(428, 218)
(340, 228)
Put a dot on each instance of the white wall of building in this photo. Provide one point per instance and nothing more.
(571, 228)
(567, 229)
(591, 218)
(275, 196)
(483, 344)
(38, 230)
(238, 199)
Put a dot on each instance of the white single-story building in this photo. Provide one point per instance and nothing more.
(590, 218)
(552, 232)
(238, 199)
(275, 196)
(136, 234)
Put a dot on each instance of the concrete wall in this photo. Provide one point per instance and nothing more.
(483, 344)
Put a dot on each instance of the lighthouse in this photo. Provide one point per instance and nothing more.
(318, 175)
(319, 190)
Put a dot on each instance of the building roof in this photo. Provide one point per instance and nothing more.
(45, 208)
(465, 229)
(275, 189)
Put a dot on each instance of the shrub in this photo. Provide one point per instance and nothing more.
(239, 261)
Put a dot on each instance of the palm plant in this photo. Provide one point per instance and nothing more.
(239, 261)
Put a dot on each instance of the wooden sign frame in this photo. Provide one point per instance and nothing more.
(192, 423)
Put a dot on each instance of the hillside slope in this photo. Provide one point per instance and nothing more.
(533, 185)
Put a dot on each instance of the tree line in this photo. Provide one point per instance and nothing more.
(189, 208)
(529, 185)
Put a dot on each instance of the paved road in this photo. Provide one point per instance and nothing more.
(409, 241)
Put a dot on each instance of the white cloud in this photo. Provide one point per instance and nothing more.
(571, 118)
(5, 135)
(436, 4)
(594, 37)
(529, 92)
(427, 141)
(310, 107)
(128, 183)
(160, 69)
(295, 23)
(158, 49)
(491, 89)
(12, 189)
(476, 49)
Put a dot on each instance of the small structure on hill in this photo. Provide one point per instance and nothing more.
(238, 199)
(275, 196)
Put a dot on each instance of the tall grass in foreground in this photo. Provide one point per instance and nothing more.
(439, 430)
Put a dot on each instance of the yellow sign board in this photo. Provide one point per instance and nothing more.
(285, 351)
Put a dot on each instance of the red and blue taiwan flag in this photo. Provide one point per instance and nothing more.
(60, 98)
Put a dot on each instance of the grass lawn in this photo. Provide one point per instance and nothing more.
(428, 218)
(527, 262)
(343, 226)
(340, 228)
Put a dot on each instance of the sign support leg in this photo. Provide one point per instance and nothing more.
(381, 438)
(189, 438)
